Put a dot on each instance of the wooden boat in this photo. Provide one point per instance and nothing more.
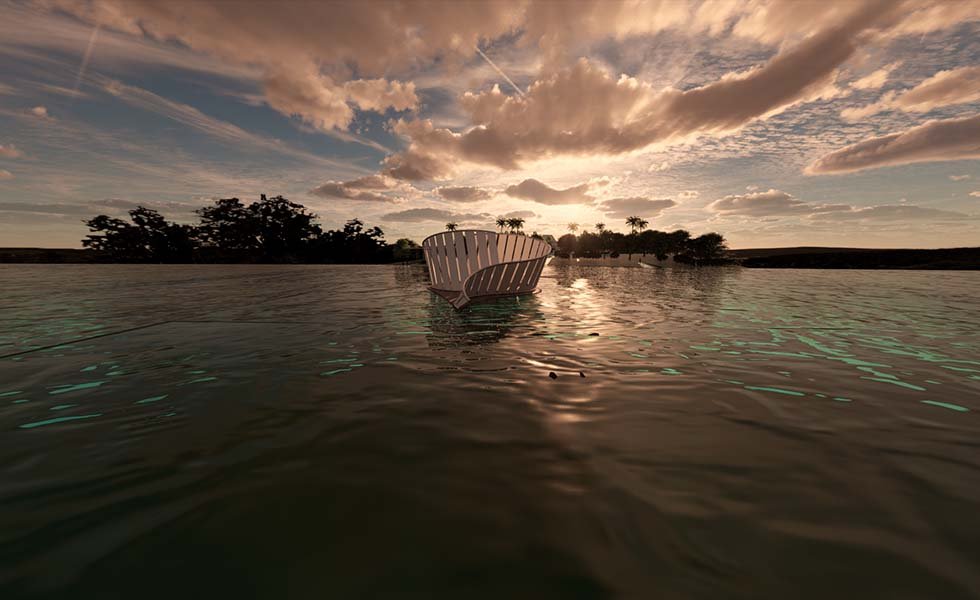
(472, 263)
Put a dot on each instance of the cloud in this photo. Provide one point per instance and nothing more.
(308, 53)
(890, 212)
(955, 86)
(975, 194)
(959, 177)
(945, 88)
(777, 203)
(535, 191)
(463, 194)
(622, 208)
(875, 79)
(951, 139)
(418, 215)
(771, 202)
(520, 214)
(192, 117)
(10, 151)
(319, 101)
(111, 206)
(41, 112)
(584, 110)
(362, 189)
(6, 174)
(688, 194)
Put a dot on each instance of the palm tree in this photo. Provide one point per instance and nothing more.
(573, 227)
(636, 223)
(501, 223)
(515, 224)
(452, 226)
(600, 227)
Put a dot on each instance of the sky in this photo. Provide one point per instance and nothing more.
(774, 122)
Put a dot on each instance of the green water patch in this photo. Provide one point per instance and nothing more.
(8, 394)
(62, 406)
(760, 388)
(89, 368)
(816, 345)
(841, 399)
(21, 401)
(896, 382)
(947, 405)
(669, 371)
(960, 369)
(933, 382)
(151, 399)
(335, 372)
(64, 389)
(198, 380)
(59, 420)
(638, 355)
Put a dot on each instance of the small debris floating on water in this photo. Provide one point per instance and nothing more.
(581, 374)
(593, 333)
(553, 375)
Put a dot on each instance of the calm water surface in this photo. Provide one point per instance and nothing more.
(339, 432)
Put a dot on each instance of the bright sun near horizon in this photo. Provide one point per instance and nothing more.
(774, 123)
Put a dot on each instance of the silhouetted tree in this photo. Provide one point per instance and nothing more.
(706, 248)
(636, 224)
(600, 227)
(567, 244)
(452, 226)
(405, 249)
(502, 223)
(572, 227)
(149, 238)
(228, 225)
(515, 224)
(677, 241)
(272, 229)
(284, 229)
(353, 244)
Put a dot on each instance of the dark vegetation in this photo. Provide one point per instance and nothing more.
(272, 230)
(944, 258)
(707, 249)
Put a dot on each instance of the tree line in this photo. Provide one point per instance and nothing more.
(276, 230)
(273, 230)
(709, 248)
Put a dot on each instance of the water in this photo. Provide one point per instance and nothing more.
(312, 432)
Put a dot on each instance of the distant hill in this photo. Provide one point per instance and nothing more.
(765, 252)
(859, 258)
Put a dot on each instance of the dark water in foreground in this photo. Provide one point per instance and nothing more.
(338, 432)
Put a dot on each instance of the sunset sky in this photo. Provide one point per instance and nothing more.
(776, 123)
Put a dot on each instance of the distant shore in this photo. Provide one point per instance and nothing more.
(765, 258)
(859, 258)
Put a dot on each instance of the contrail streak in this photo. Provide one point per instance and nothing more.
(497, 69)
(85, 58)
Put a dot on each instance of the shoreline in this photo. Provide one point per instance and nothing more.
(951, 259)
